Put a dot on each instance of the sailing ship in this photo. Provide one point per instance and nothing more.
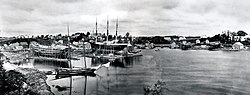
(113, 50)
(48, 52)
(76, 71)
(51, 53)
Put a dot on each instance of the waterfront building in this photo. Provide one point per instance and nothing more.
(238, 46)
(24, 44)
(173, 45)
(1, 48)
(60, 42)
(76, 43)
(184, 42)
(182, 38)
(168, 38)
(207, 41)
(2, 57)
(239, 38)
(197, 41)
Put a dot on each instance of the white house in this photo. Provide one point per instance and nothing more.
(197, 41)
(241, 38)
(207, 41)
(167, 38)
(238, 46)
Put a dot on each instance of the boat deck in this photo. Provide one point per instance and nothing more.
(112, 57)
(48, 58)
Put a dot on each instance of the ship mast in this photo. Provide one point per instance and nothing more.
(107, 28)
(116, 29)
(96, 27)
(69, 51)
(84, 58)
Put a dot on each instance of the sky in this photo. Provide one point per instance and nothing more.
(138, 17)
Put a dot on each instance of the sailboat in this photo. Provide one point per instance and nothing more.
(77, 71)
(112, 50)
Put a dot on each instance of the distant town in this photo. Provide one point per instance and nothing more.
(111, 49)
(223, 41)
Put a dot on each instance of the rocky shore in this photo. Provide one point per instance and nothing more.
(35, 81)
(22, 81)
(16, 57)
(159, 88)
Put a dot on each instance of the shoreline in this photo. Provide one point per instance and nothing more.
(34, 80)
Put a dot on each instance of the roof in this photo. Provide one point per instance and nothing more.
(238, 43)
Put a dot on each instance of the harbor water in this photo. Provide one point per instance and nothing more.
(192, 72)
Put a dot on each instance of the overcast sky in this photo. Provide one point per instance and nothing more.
(138, 17)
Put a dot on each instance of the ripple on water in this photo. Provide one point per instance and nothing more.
(185, 73)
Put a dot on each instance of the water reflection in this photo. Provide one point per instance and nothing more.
(80, 85)
(87, 85)
(63, 64)
(42, 64)
(74, 85)
(123, 63)
(184, 72)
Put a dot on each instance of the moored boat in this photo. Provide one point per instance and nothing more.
(79, 71)
(75, 71)
(54, 53)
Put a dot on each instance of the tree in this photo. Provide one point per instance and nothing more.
(88, 33)
(11, 82)
(127, 35)
(2, 77)
(241, 33)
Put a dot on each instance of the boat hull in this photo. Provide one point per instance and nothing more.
(75, 71)
(51, 53)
